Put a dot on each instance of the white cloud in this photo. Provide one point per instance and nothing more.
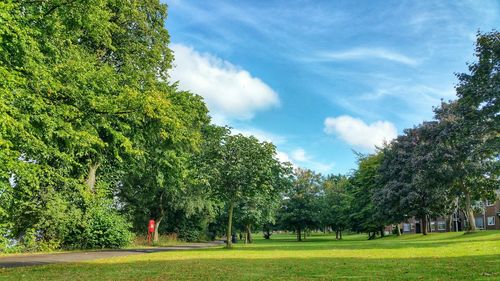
(323, 168)
(230, 92)
(300, 155)
(283, 157)
(260, 135)
(357, 133)
(367, 53)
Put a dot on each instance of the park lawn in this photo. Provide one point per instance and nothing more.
(446, 256)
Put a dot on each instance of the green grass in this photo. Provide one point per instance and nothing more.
(448, 256)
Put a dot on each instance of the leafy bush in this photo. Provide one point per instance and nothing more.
(104, 228)
(191, 234)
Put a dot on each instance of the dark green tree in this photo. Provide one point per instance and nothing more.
(336, 201)
(364, 183)
(471, 125)
(416, 176)
(300, 208)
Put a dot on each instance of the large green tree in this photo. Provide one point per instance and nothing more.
(416, 176)
(471, 125)
(336, 201)
(159, 180)
(83, 78)
(247, 169)
(301, 205)
(365, 215)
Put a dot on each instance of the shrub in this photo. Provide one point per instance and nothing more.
(104, 228)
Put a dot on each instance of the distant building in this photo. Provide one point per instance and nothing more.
(489, 219)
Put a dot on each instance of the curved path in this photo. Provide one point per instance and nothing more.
(40, 259)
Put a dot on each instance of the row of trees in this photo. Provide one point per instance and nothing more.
(95, 139)
(426, 172)
(316, 202)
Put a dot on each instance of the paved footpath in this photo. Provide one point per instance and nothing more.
(40, 259)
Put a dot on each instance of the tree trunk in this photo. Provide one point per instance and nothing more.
(424, 225)
(91, 177)
(340, 232)
(450, 223)
(299, 234)
(159, 219)
(157, 226)
(382, 233)
(337, 234)
(250, 239)
(229, 243)
(398, 230)
(471, 226)
(267, 234)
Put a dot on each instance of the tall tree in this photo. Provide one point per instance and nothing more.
(300, 209)
(82, 77)
(365, 216)
(416, 175)
(335, 209)
(247, 170)
(472, 125)
(158, 180)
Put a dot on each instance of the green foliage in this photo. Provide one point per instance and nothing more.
(336, 203)
(89, 116)
(247, 173)
(159, 180)
(301, 207)
(415, 175)
(471, 125)
(365, 216)
(103, 228)
(79, 78)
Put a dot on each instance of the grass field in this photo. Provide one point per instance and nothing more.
(447, 256)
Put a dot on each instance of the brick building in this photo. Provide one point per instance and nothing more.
(488, 219)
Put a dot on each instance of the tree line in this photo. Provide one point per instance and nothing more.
(96, 140)
(429, 171)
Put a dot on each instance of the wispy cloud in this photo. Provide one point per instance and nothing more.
(368, 53)
(379, 62)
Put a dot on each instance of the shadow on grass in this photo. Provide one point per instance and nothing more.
(231, 268)
(391, 242)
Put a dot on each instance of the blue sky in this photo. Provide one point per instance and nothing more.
(323, 78)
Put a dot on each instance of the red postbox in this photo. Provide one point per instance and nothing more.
(151, 229)
(151, 226)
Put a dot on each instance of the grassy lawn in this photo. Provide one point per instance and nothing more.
(449, 256)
